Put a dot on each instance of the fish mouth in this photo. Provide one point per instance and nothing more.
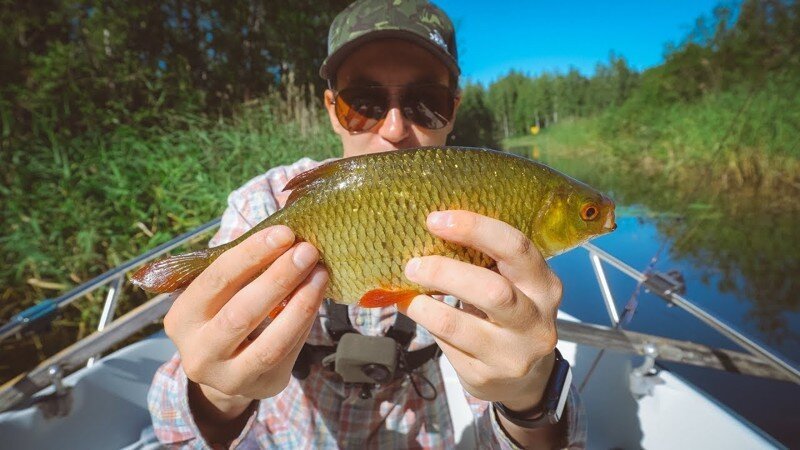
(610, 223)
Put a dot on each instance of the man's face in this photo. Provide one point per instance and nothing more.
(389, 62)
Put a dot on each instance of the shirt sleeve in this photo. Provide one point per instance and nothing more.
(168, 398)
(173, 423)
(490, 434)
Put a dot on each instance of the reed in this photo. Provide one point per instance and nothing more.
(73, 207)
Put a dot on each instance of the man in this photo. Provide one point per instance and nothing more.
(393, 71)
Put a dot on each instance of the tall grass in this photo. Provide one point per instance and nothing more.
(744, 139)
(73, 208)
(747, 137)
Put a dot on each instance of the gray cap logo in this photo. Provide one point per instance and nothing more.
(438, 39)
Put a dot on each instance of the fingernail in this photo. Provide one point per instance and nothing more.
(279, 237)
(440, 219)
(304, 255)
(412, 267)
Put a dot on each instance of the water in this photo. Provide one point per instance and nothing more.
(740, 257)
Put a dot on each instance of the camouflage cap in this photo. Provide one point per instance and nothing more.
(418, 21)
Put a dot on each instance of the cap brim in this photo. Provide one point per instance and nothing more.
(332, 62)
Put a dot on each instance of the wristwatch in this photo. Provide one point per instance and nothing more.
(550, 409)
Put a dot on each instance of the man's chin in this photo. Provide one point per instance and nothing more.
(370, 150)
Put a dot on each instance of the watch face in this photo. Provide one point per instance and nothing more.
(558, 389)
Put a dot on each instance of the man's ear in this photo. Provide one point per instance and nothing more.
(327, 97)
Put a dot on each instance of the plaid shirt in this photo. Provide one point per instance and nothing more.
(321, 411)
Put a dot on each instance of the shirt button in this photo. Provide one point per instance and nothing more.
(359, 320)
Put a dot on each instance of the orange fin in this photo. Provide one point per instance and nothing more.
(303, 182)
(278, 309)
(378, 298)
(173, 273)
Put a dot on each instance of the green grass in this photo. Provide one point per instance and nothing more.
(762, 119)
(75, 208)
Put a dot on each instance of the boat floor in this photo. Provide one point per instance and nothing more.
(109, 409)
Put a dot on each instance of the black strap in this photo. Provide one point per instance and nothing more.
(415, 359)
(338, 320)
(310, 354)
(403, 330)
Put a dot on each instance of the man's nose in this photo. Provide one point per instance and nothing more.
(395, 126)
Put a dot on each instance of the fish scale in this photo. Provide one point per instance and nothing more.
(366, 215)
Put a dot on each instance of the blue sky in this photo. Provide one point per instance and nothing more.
(535, 36)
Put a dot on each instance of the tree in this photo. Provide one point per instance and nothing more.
(82, 64)
(474, 125)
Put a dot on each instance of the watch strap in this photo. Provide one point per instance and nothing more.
(550, 409)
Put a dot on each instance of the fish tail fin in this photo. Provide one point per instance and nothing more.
(174, 272)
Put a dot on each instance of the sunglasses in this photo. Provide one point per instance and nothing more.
(360, 108)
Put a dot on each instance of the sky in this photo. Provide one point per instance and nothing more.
(536, 36)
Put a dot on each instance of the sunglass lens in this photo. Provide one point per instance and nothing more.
(429, 106)
(359, 109)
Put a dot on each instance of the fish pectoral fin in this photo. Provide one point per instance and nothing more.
(378, 298)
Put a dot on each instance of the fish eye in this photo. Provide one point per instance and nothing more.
(590, 212)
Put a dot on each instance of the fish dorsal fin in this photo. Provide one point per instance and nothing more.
(303, 182)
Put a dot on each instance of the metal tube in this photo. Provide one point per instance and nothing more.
(624, 268)
(109, 308)
(16, 325)
(725, 329)
(111, 303)
(611, 306)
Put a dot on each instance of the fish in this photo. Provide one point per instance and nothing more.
(366, 215)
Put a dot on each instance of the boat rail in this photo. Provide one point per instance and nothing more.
(759, 361)
(655, 282)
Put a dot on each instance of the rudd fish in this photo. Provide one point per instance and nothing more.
(366, 216)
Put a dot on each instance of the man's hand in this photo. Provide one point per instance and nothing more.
(501, 344)
(213, 322)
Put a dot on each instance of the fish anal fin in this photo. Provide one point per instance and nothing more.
(378, 298)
